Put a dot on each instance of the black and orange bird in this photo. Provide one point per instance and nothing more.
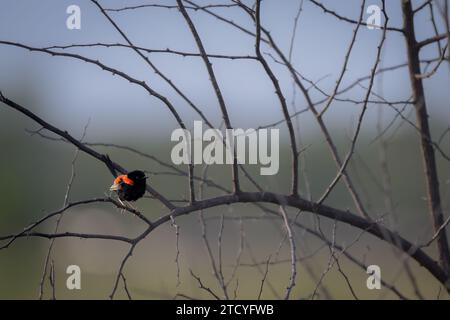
(130, 186)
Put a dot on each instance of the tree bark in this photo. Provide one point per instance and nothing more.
(429, 162)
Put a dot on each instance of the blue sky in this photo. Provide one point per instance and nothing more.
(69, 92)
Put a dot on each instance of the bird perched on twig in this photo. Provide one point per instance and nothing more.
(130, 186)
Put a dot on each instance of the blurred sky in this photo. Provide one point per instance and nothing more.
(69, 92)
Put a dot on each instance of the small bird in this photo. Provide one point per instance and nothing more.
(130, 186)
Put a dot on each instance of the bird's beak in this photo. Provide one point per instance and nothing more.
(115, 187)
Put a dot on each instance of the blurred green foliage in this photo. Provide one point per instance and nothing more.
(35, 172)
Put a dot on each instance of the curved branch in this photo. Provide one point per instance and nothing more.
(281, 98)
(346, 217)
(215, 85)
(69, 235)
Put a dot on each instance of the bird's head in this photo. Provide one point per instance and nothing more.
(131, 178)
